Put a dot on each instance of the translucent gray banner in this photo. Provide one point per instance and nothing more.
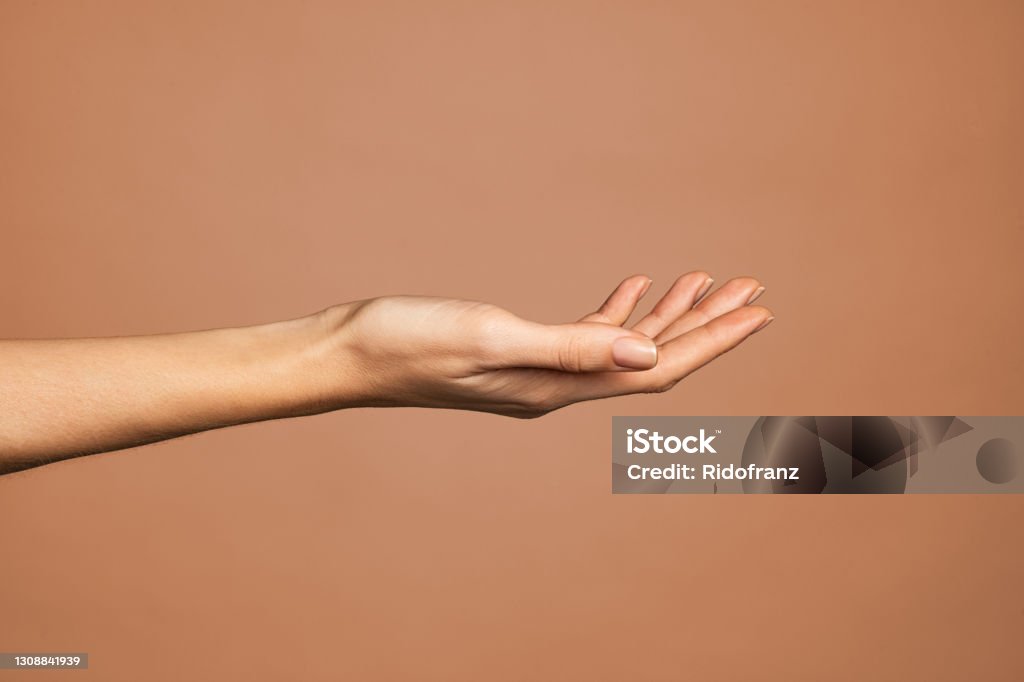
(814, 455)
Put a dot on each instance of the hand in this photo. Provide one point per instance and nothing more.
(432, 352)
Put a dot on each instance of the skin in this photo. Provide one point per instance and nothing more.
(66, 398)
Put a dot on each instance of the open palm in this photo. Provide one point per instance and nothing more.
(433, 352)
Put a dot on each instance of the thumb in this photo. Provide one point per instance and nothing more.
(579, 347)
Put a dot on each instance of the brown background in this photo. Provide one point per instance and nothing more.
(171, 166)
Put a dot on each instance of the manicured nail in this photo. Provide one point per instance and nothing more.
(756, 295)
(704, 289)
(763, 324)
(633, 353)
(646, 286)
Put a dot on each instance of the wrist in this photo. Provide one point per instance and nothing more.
(335, 357)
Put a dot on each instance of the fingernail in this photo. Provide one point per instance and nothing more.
(704, 289)
(646, 286)
(756, 295)
(633, 353)
(763, 324)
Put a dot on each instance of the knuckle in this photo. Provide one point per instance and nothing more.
(701, 316)
(490, 336)
(720, 339)
(698, 317)
(657, 317)
(570, 355)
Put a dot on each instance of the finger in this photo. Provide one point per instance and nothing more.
(620, 305)
(733, 294)
(579, 347)
(686, 291)
(676, 360)
(697, 347)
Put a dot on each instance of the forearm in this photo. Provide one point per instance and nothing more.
(64, 398)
